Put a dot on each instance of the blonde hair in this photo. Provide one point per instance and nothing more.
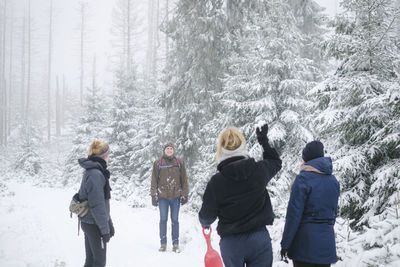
(230, 138)
(97, 148)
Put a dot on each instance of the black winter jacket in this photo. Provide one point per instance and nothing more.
(237, 194)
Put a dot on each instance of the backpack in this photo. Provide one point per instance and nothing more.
(160, 166)
(78, 207)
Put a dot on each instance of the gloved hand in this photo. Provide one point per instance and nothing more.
(112, 230)
(154, 201)
(184, 200)
(262, 134)
(284, 255)
(106, 238)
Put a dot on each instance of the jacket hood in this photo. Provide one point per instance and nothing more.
(323, 164)
(237, 168)
(90, 164)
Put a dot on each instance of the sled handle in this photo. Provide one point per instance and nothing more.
(207, 235)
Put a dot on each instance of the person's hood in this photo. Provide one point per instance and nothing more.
(237, 168)
(323, 164)
(90, 164)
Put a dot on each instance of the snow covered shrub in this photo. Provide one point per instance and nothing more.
(28, 159)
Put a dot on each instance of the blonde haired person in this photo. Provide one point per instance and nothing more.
(95, 188)
(238, 197)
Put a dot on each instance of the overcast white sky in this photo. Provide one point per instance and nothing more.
(66, 37)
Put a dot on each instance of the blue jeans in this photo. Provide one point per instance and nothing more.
(164, 204)
(253, 249)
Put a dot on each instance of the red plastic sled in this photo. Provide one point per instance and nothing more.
(212, 258)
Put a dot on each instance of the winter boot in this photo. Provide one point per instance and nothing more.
(176, 249)
(163, 248)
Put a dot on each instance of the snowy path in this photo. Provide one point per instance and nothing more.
(36, 231)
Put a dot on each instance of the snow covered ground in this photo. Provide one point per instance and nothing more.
(36, 231)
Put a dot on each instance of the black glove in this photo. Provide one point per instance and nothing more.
(105, 238)
(262, 134)
(184, 200)
(112, 230)
(154, 201)
(284, 255)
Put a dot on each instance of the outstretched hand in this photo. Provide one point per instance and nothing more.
(262, 134)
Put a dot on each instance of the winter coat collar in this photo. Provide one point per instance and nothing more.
(93, 162)
(240, 151)
(321, 165)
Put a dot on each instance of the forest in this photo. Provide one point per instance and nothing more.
(182, 71)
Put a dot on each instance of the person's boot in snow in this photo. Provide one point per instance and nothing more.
(176, 249)
(163, 248)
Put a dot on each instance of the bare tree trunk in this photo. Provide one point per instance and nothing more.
(64, 93)
(128, 54)
(5, 112)
(166, 35)
(94, 75)
(3, 85)
(28, 85)
(156, 42)
(23, 66)
(49, 73)
(83, 11)
(10, 83)
(150, 41)
(58, 109)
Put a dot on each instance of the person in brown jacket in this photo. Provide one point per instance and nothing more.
(169, 189)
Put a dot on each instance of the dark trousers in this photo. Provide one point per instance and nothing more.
(306, 264)
(95, 251)
(253, 249)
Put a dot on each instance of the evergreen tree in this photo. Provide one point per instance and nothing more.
(149, 120)
(122, 130)
(311, 21)
(267, 81)
(358, 107)
(198, 30)
(28, 159)
(90, 126)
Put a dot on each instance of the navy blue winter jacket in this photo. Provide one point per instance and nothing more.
(309, 234)
(92, 189)
(237, 194)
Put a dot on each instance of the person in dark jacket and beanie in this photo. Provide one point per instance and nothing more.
(238, 197)
(308, 237)
(95, 188)
(169, 189)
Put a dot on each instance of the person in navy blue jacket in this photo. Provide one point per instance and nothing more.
(308, 237)
(238, 197)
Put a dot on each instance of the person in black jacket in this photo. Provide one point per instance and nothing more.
(238, 197)
(95, 188)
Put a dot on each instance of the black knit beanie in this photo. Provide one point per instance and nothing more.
(313, 150)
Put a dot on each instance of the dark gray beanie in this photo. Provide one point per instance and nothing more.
(313, 150)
